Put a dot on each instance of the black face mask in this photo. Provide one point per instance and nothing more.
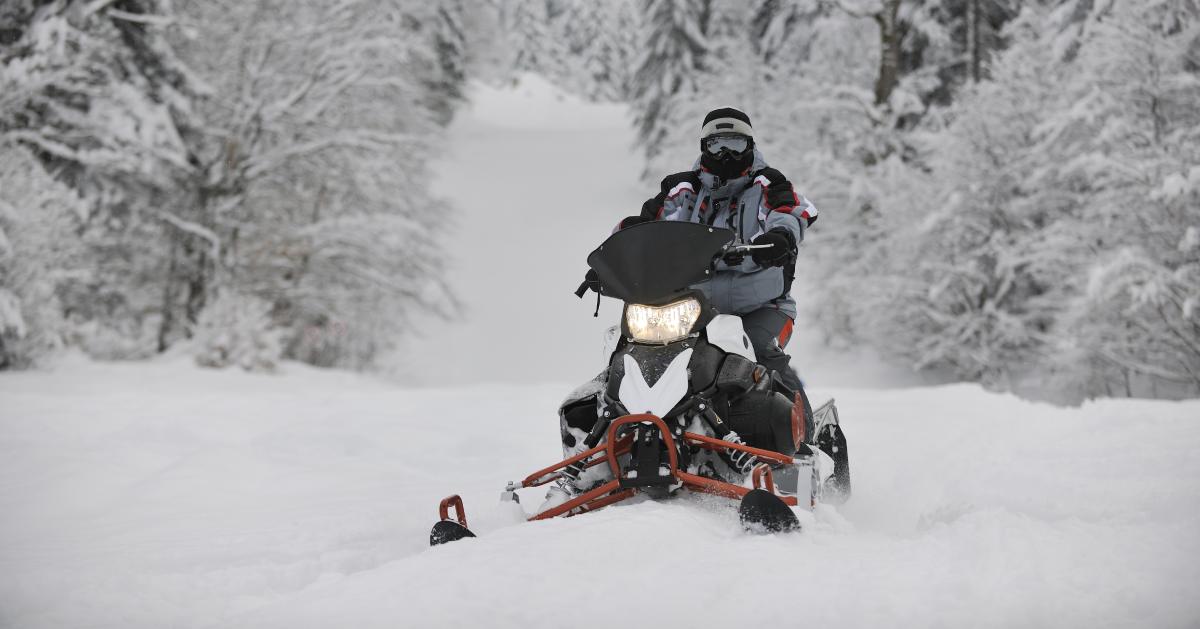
(726, 163)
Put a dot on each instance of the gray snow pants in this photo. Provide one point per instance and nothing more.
(770, 330)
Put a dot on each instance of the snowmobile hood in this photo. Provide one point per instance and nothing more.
(654, 262)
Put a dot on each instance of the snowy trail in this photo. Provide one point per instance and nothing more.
(538, 179)
(159, 494)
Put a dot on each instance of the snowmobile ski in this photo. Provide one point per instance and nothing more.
(763, 511)
(448, 530)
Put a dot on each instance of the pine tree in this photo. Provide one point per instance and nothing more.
(668, 76)
(599, 40)
(993, 246)
(447, 57)
(532, 38)
(615, 51)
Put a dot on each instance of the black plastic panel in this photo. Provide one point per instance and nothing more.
(651, 263)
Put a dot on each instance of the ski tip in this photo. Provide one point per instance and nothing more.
(448, 531)
(763, 512)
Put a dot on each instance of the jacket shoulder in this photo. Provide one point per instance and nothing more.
(772, 175)
(671, 184)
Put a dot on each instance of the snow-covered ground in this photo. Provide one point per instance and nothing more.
(163, 495)
(538, 179)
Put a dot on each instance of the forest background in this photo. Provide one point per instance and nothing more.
(1010, 189)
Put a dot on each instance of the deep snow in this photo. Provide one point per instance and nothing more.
(159, 494)
(163, 495)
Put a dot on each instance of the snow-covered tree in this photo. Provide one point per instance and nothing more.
(773, 24)
(1132, 134)
(894, 19)
(979, 32)
(452, 41)
(1052, 255)
(991, 249)
(530, 26)
(448, 57)
(670, 74)
(40, 254)
(99, 96)
(254, 147)
(599, 40)
(237, 330)
(310, 190)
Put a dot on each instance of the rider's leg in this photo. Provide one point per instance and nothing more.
(770, 330)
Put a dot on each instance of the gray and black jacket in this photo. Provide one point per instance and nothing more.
(758, 201)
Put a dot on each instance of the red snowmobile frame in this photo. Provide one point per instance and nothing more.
(614, 490)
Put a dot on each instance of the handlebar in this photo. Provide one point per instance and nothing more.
(734, 254)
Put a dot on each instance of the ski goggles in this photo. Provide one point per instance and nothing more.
(714, 144)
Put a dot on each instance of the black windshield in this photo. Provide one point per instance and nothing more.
(650, 262)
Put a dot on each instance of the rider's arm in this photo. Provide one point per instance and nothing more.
(787, 221)
(676, 194)
(781, 198)
(677, 191)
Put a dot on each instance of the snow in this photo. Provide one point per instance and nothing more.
(159, 494)
(539, 179)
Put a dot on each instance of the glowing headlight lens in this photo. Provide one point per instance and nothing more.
(650, 324)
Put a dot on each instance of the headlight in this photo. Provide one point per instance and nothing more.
(664, 324)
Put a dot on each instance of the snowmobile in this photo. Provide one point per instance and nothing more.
(682, 404)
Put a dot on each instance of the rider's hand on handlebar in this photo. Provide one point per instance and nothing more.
(780, 251)
(733, 257)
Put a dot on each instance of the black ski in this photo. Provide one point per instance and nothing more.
(448, 531)
(764, 512)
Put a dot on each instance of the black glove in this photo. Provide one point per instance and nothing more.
(632, 220)
(669, 183)
(734, 258)
(783, 247)
(781, 194)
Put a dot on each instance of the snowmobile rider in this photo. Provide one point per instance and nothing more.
(731, 186)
